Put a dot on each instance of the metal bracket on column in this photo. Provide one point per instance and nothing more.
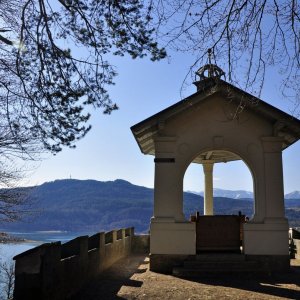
(164, 160)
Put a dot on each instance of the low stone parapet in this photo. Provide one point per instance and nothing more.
(57, 271)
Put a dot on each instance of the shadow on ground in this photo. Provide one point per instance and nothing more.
(107, 284)
(277, 285)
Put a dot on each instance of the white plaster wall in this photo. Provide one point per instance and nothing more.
(173, 238)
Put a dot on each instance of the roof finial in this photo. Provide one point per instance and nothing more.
(209, 51)
(213, 71)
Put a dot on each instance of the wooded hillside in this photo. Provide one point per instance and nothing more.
(90, 205)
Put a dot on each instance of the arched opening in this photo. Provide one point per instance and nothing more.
(231, 181)
(219, 196)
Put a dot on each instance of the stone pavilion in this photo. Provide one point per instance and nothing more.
(219, 123)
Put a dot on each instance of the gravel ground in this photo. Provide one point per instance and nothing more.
(130, 278)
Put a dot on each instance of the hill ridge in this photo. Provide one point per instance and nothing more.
(91, 205)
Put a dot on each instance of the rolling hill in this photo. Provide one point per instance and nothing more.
(90, 205)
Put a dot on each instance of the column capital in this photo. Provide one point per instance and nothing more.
(207, 161)
(164, 146)
(208, 166)
(272, 144)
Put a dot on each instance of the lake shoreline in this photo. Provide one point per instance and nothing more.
(38, 237)
(6, 238)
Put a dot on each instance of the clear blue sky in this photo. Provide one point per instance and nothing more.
(110, 152)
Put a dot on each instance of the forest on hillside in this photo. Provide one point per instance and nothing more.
(89, 205)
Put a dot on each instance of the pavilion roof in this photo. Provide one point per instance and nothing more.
(285, 125)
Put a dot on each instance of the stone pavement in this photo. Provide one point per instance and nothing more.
(130, 278)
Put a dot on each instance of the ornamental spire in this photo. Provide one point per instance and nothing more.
(210, 70)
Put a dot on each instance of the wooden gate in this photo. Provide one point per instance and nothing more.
(218, 233)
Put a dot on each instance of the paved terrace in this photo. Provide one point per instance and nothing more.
(130, 278)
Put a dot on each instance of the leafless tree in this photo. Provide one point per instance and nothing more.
(54, 65)
(15, 150)
(54, 62)
(7, 279)
(15, 203)
(248, 38)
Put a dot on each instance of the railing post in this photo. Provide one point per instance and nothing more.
(114, 236)
(101, 243)
(101, 251)
(51, 272)
(131, 231)
(83, 258)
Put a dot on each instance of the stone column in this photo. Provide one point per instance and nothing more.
(274, 197)
(266, 239)
(168, 202)
(208, 189)
(170, 233)
(168, 198)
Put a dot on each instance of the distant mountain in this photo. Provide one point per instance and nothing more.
(90, 205)
(241, 194)
(293, 195)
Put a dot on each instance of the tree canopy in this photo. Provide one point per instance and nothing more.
(45, 86)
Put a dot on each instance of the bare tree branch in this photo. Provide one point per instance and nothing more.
(248, 38)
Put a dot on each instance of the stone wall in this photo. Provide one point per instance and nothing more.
(57, 271)
(141, 243)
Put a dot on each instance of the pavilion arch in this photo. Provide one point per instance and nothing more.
(219, 116)
(211, 156)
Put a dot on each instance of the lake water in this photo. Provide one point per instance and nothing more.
(33, 239)
(8, 251)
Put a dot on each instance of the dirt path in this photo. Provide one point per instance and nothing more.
(130, 278)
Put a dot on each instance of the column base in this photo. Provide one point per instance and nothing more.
(164, 263)
(271, 263)
(266, 238)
